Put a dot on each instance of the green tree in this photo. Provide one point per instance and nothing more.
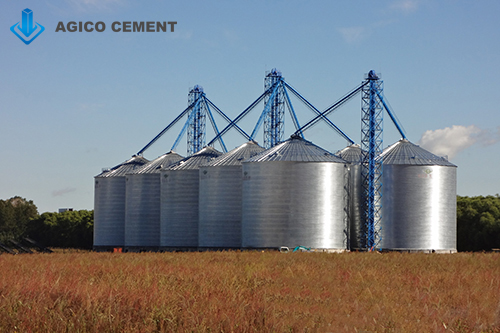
(67, 229)
(478, 223)
(15, 215)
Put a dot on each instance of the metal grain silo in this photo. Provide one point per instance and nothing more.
(354, 156)
(142, 209)
(179, 200)
(294, 194)
(418, 199)
(221, 198)
(109, 204)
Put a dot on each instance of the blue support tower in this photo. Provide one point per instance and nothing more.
(274, 118)
(197, 111)
(276, 99)
(371, 144)
(196, 129)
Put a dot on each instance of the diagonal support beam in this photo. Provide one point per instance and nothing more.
(391, 115)
(322, 115)
(293, 114)
(265, 111)
(240, 116)
(223, 115)
(179, 117)
(186, 125)
(214, 126)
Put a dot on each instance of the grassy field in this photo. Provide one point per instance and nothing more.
(250, 292)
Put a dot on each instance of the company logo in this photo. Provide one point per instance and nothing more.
(428, 174)
(27, 32)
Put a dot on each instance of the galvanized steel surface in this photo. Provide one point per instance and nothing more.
(142, 216)
(419, 207)
(220, 207)
(159, 163)
(292, 204)
(419, 199)
(237, 155)
(124, 168)
(353, 154)
(203, 157)
(179, 208)
(221, 198)
(180, 198)
(109, 211)
(109, 203)
(298, 150)
(407, 153)
(356, 203)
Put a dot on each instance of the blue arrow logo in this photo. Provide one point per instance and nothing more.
(27, 28)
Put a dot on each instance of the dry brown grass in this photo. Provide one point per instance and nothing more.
(250, 292)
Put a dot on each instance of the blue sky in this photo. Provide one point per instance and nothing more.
(74, 103)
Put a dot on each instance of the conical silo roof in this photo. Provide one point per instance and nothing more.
(296, 149)
(237, 155)
(352, 154)
(194, 161)
(160, 162)
(406, 153)
(126, 167)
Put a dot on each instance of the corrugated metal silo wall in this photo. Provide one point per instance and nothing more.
(293, 203)
(419, 207)
(179, 208)
(356, 206)
(109, 212)
(220, 206)
(142, 211)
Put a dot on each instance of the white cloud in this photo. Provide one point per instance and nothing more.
(61, 192)
(452, 140)
(405, 6)
(489, 137)
(352, 34)
(359, 33)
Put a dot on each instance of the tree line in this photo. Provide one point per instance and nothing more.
(19, 218)
(478, 224)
